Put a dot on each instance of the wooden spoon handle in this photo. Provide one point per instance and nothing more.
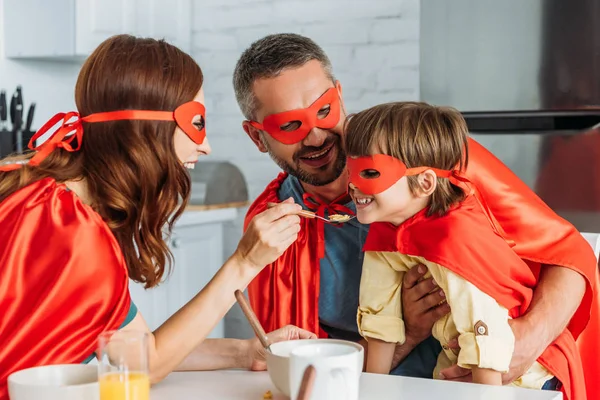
(254, 323)
(308, 381)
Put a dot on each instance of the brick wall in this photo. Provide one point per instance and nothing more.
(373, 46)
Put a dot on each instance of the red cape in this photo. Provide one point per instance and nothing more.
(464, 242)
(287, 291)
(63, 279)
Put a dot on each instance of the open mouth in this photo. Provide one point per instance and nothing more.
(320, 158)
(363, 201)
(189, 165)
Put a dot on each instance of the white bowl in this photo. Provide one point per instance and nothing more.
(278, 361)
(55, 382)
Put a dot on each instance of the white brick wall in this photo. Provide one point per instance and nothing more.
(373, 45)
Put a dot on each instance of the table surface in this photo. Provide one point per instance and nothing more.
(246, 385)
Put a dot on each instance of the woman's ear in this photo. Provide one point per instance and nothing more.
(427, 181)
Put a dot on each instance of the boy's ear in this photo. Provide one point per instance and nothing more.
(427, 183)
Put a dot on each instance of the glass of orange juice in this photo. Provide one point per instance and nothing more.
(123, 365)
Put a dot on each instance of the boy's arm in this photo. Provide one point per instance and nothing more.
(379, 316)
(487, 376)
(485, 337)
(379, 357)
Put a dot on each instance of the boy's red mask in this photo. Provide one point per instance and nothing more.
(71, 129)
(377, 173)
(308, 118)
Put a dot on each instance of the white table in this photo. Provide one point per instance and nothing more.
(245, 385)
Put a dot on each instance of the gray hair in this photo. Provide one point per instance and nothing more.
(267, 58)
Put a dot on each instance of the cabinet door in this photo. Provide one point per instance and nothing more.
(198, 254)
(165, 19)
(97, 20)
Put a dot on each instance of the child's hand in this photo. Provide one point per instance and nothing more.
(421, 304)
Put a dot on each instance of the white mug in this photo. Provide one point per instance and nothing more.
(337, 367)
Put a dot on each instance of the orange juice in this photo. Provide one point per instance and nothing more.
(121, 386)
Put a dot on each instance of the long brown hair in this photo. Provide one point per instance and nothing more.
(134, 178)
(418, 134)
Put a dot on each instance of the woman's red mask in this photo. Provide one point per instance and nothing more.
(301, 121)
(375, 174)
(72, 127)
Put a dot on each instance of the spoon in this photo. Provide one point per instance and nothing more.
(254, 323)
(308, 380)
(333, 218)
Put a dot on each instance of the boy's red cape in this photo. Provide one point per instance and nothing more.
(63, 279)
(464, 242)
(287, 291)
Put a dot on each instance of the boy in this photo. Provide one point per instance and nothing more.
(405, 162)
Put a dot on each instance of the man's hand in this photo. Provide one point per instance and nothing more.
(257, 354)
(421, 308)
(421, 304)
(525, 353)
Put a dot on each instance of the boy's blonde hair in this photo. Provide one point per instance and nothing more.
(419, 135)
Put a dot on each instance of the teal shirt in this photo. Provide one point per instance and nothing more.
(130, 316)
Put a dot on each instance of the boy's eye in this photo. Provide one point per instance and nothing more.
(369, 174)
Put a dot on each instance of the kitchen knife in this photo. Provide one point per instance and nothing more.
(27, 132)
(7, 145)
(18, 122)
(3, 110)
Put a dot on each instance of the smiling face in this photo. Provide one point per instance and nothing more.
(395, 204)
(319, 158)
(186, 149)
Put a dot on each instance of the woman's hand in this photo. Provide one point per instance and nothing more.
(257, 354)
(269, 234)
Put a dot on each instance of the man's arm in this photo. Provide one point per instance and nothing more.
(421, 308)
(558, 294)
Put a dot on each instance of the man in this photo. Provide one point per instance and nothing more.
(294, 109)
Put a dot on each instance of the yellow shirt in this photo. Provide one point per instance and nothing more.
(480, 323)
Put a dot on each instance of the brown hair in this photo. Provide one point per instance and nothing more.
(134, 178)
(418, 134)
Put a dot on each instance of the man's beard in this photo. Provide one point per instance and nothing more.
(327, 173)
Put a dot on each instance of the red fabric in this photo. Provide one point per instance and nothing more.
(464, 242)
(316, 204)
(572, 165)
(542, 237)
(63, 279)
(287, 291)
(303, 119)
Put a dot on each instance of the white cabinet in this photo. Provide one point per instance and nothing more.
(72, 29)
(197, 246)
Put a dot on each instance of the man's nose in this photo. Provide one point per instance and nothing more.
(315, 138)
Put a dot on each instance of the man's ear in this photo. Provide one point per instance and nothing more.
(427, 183)
(338, 86)
(254, 135)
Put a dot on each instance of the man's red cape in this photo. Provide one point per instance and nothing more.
(63, 279)
(287, 291)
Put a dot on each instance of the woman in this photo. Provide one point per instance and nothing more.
(88, 209)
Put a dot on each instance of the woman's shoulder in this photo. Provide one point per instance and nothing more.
(46, 212)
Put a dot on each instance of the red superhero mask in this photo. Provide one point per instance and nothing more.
(301, 121)
(375, 174)
(183, 116)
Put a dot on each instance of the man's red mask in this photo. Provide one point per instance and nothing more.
(301, 121)
(377, 173)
